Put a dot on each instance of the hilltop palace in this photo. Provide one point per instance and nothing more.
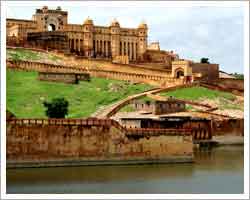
(161, 130)
(49, 29)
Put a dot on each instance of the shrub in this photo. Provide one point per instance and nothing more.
(57, 108)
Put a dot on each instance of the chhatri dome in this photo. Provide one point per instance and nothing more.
(143, 25)
(115, 23)
(88, 21)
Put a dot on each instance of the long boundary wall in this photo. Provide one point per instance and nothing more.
(60, 142)
(135, 77)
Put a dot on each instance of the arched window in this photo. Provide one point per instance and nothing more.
(51, 27)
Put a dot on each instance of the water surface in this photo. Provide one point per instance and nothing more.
(217, 171)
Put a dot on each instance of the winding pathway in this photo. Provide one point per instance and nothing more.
(112, 109)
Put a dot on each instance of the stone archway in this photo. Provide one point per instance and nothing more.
(51, 23)
(179, 72)
(51, 27)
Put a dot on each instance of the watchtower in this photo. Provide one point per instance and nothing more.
(88, 27)
(142, 37)
(115, 38)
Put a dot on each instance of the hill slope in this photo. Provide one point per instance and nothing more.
(227, 103)
(25, 94)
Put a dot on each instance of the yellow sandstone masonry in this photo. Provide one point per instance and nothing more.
(44, 142)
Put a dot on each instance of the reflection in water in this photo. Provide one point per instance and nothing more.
(217, 171)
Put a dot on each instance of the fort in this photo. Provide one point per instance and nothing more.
(162, 130)
(49, 30)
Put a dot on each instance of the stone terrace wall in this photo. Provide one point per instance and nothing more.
(135, 77)
(210, 72)
(63, 77)
(36, 141)
(128, 68)
(236, 84)
(223, 87)
(101, 63)
(228, 127)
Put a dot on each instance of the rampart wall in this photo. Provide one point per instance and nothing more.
(223, 87)
(63, 77)
(228, 127)
(84, 141)
(45, 67)
(129, 68)
(234, 84)
(210, 72)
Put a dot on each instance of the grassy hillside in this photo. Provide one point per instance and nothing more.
(223, 100)
(196, 93)
(25, 94)
(24, 54)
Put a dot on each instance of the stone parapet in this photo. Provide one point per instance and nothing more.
(46, 142)
(95, 72)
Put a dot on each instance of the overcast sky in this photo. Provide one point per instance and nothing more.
(192, 32)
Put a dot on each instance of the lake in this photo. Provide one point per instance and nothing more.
(217, 171)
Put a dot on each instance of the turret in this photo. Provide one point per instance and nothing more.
(115, 38)
(88, 27)
(142, 37)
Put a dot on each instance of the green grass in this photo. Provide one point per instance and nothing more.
(24, 54)
(223, 100)
(128, 108)
(25, 94)
(196, 93)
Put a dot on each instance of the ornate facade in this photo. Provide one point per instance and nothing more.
(84, 39)
(49, 29)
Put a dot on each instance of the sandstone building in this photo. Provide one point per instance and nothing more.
(85, 39)
(49, 29)
(158, 107)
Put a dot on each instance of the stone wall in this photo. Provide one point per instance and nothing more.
(236, 84)
(35, 141)
(200, 129)
(209, 72)
(63, 77)
(86, 39)
(223, 87)
(181, 66)
(157, 56)
(121, 60)
(156, 80)
(154, 46)
(53, 40)
(228, 127)
(159, 107)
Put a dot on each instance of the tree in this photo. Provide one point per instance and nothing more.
(238, 76)
(57, 108)
(205, 60)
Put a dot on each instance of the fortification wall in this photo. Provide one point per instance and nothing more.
(90, 140)
(210, 72)
(236, 84)
(104, 64)
(156, 80)
(63, 77)
(221, 87)
(228, 127)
